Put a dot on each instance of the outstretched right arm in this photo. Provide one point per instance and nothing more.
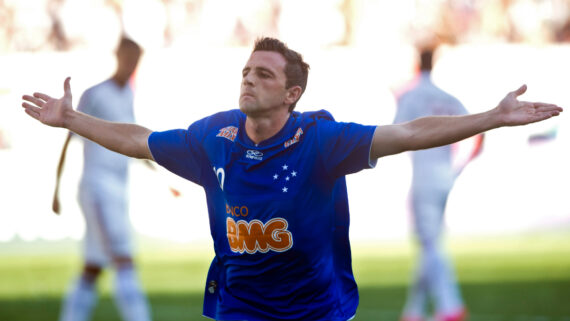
(127, 139)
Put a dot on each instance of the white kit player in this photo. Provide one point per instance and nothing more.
(104, 201)
(433, 178)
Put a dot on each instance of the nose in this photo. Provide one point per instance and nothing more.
(247, 80)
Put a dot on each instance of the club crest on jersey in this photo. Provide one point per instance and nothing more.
(229, 132)
(295, 138)
(284, 177)
(254, 154)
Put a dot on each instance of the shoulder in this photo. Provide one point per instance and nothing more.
(407, 96)
(224, 124)
(228, 115)
(234, 116)
(442, 93)
(323, 124)
(312, 122)
(314, 116)
(96, 90)
(104, 85)
(424, 90)
(446, 97)
(417, 89)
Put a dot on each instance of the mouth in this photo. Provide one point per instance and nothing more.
(244, 95)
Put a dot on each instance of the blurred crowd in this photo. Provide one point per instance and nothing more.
(48, 25)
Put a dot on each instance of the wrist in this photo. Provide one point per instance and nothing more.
(69, 116)
(494, 119)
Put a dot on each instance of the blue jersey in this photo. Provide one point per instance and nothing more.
(278, 212)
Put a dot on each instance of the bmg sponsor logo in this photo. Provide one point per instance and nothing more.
(255, 236)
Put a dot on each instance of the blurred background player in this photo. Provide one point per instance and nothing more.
(104, 201)
(433, 176)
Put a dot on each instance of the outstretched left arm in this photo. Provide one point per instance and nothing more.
(434, 131)
(124, 138)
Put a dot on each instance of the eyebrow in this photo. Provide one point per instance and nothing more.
(247, 69)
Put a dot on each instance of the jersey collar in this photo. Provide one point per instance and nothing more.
(277, 139)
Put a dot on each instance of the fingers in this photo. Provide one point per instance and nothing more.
(520, 91)
(546, 111)
(42, 96)
(35, 109)
(545, 115)
(31, 107)
(33, 113)
(34, 100)
(67, 86)
(540, 107)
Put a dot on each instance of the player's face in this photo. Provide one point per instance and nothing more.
(127, 61)
(263, 84)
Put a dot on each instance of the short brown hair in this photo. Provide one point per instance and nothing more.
(296, 70)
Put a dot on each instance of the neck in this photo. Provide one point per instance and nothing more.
(120, 81)
(261, 128)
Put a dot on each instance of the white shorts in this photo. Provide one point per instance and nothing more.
(107, 228)
(428, 205)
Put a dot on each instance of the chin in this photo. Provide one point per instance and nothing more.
(247, 108)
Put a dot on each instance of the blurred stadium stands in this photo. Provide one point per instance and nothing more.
(360, 52)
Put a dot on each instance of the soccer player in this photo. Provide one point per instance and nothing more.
(103, 199)
(275, 182)
(433, 178)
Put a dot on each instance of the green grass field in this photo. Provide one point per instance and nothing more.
(510, 278)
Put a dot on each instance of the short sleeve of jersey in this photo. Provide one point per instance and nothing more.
(179, 151)
(85, 103)
(345, 147)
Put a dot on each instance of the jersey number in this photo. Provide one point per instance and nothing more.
(221, 175)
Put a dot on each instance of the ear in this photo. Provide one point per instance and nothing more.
(293, 94)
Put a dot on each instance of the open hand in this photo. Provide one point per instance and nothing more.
(48, 110)
(515, 112)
